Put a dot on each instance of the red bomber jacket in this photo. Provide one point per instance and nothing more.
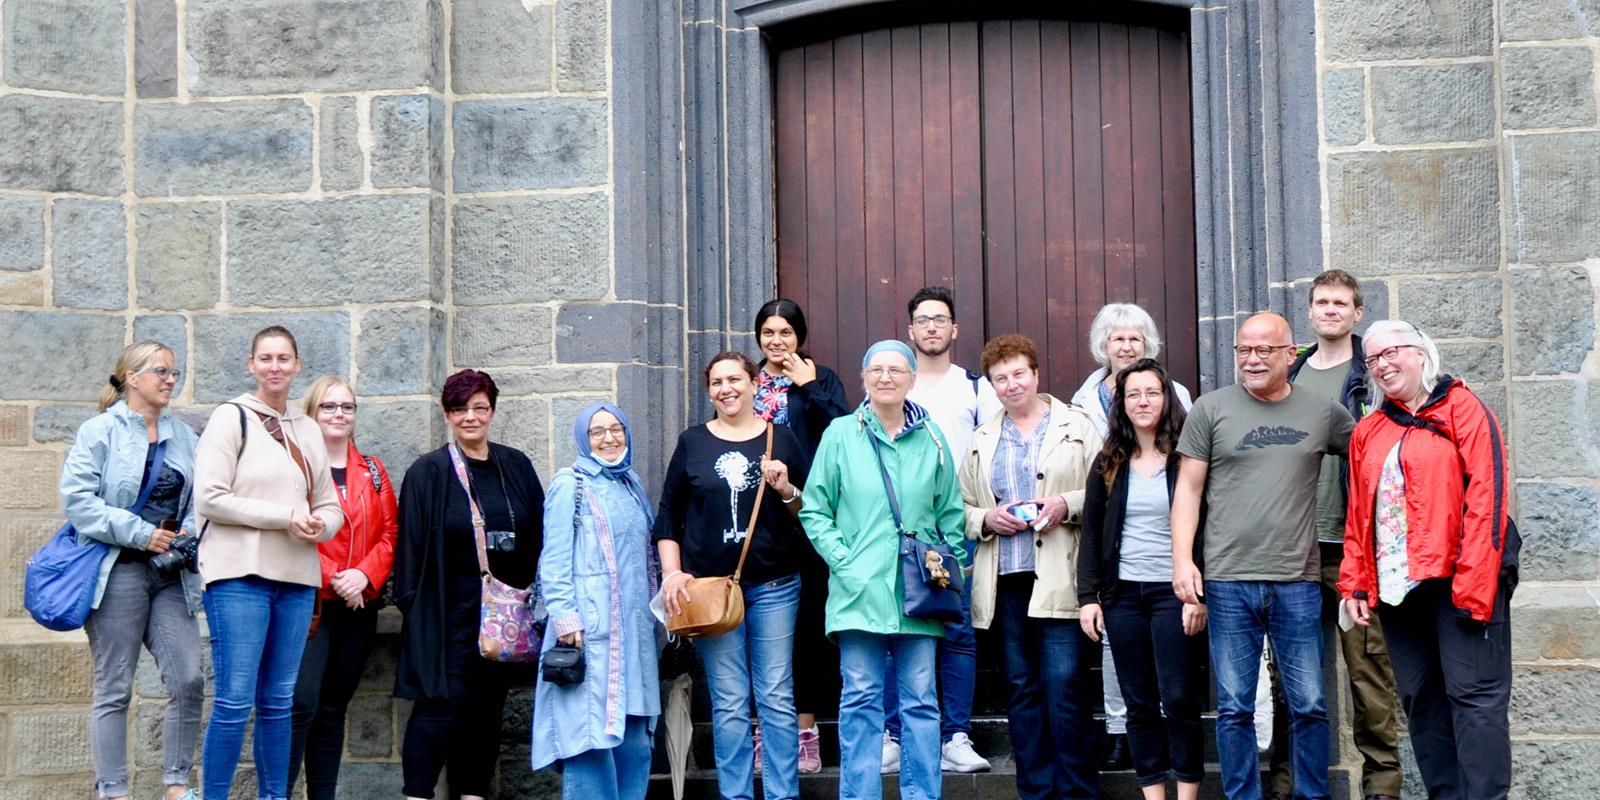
(1457, 498)
(366, 542)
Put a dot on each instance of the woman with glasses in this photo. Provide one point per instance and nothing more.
(707, 502)
(459, 694)
(267, 497)
(112, 460)
(355, 566)
(597, 575)
(1428, 545)
(889, 440)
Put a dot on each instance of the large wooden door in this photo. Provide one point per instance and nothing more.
(1040, 168)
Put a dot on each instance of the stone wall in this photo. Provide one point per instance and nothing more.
(1461, 167)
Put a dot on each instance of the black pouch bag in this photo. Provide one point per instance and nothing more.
(563, 665)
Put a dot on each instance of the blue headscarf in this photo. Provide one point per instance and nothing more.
(622, 470)
(893, 346)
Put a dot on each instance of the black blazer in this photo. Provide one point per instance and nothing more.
(1100, 548)
(814, 405)
(419, 580)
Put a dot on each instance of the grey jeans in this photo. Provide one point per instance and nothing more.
(137, 609)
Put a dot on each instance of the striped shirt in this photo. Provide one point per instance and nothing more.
(1013, 478)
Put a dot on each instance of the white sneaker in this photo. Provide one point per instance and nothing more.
(957, 755)
(891, 755)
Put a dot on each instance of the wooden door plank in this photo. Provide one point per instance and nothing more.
(790, 175)
(1177, 210)
(878, 121)
(1088, 211)
(1065, 343)
(821, 225)
(1117, 162)
(1028, 181)
(906, 64)
(938, 233)
(1000, 227)
(966, 181)
(850, 197)
(1148, 271)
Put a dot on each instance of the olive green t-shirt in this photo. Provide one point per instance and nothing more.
(1261, 487)
(1330, 493)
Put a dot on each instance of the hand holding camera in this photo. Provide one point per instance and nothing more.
(180, 550)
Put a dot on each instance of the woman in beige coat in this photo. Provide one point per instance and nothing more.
(1022, 483)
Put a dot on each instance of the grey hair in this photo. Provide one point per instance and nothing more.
(1122, 315)
(1409, 334)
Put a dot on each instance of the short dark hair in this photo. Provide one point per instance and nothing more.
(926, 293)
(728, 355)
(1007, 347)
(790, 311)
(272, 331)
(460, 387)
(1338, 279)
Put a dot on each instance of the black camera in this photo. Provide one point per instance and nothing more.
(183, 554)
(501, 541)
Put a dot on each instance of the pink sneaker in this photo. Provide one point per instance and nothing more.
(755, 739)
(810, 751)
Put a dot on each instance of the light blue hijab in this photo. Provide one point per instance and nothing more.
(622, 470)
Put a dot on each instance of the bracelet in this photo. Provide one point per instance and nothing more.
(792, 499)
(669, 575)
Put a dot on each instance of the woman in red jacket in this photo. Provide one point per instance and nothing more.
(1428, 544)
(355, 565)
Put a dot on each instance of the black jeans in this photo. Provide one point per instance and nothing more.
(1158, 667)
(330, 670)
(1454, 677)
(462, 733)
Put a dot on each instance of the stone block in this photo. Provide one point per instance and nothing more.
(171, 330)
(1547, 87)
(379, 675)
(239, 47)
(553, 379)
(1553, 320)
(54, 144)
(32, 477)
(21, 233)
(34, 365)
(222, 341)
(347, 250)
(53, 424)
(517, 779)
(653, 397)
(1344, 106)
(179, 260)
(155, 48)
(1549, 434)
(65, 45)
(500, 47)
(1528, 20)
(1446, 103)
(237, 147)
(341, 158)
(362, 780)
(398, 432)
(1414, 211)
(1554, 768)
(621, 332)
(13, 425)
(1560, 526)
(1446, 308)
(531, 249)
(581, 45)
(1555, 624)
(27, 669)
(49, 742)
(1373, 30)
(23, 288)
(498, 336)
(525, 425)
(407, 141)
(1476, 363)
(89, 254)
(540, 143)
(393, 352)
(438, 243)
(371, 727)
(564, 411)
(1555, 192)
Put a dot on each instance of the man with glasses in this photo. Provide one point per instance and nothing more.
(959, 401)
(1254, 451)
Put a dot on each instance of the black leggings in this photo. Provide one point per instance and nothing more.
(816, 657)
(330, 671)
(462, 733)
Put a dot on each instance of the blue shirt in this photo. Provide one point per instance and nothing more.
(1013, 480)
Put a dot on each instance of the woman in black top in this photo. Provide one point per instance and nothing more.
(710, 491)
(459, 695)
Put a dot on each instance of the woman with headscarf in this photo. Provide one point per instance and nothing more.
(598, 573)
(847, 514)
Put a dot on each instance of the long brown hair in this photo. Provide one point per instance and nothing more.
(1121, 440)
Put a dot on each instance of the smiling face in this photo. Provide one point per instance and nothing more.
(152, 384)
(1016, 383)
(336, 414)
(730, 388)
(1265, 378)
(274, 364)
(607, 438)
(887, 379)
(470, 423)
(1397, 372)
(1144, 398)
(1123, 347)
(1334, 312)
(778, 339)
(933, 328)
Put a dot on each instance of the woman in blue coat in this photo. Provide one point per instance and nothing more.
(598, 576)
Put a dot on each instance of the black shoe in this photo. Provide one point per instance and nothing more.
(1117, 756)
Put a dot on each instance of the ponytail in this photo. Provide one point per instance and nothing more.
(133, 358)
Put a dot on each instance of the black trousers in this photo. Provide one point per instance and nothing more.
(1454, 678)
(816, 657)
(330, 671)
(462, 733)
(1158, 666)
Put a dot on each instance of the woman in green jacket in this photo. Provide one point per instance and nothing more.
(847, 516)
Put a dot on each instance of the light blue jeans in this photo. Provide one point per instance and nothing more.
(862, 660)
(756, 659)
(616, 773)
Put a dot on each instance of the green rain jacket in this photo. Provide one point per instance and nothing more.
(846, 514)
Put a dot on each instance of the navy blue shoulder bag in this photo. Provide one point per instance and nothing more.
(929, 573)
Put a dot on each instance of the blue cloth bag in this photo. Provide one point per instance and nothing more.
(58, 585)
(930, 576)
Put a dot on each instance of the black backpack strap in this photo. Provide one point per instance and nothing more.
(372, 472)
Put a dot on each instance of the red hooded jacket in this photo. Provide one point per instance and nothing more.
(1457, 498)
(366, 542)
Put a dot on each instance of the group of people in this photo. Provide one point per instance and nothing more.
(1127, 516)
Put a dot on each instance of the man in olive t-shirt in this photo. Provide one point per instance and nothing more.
(1254, 450)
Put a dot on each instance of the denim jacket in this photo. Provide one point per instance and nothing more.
(101, 478)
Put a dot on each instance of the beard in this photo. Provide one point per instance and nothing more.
(922, 349)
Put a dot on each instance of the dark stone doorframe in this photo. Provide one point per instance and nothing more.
(693, 163)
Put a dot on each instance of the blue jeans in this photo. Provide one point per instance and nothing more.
(1050, 708)
(958, 673)
(863, 658)
(1290, 613)
(258, 634)
(756, 659)
(617, 773)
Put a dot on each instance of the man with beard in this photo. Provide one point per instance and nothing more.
(959, 401)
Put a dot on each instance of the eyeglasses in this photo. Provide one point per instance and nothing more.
(1151, 395)
(615, 432)
(163, 373)
(1387, 354)
(935, 321)
(1262, 351)
(461, 411)
(329, 408)
(895, 373)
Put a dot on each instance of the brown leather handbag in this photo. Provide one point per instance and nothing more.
(716, 605)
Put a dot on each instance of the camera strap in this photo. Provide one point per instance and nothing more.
(479, 537)
(150, 480)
